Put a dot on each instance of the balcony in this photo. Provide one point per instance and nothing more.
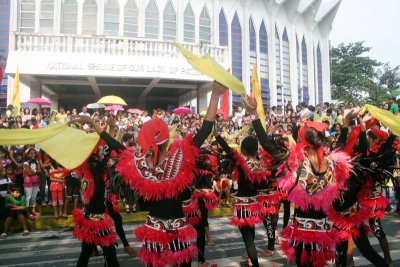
(112, 46)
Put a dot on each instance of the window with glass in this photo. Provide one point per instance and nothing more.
(279, 93)
(264, 71)
(223, 29)
(189, 25)
(236, 48)
(252, 46)
(152, 20)
(205, 27)
(26, 10)
(306, 96)
(46, 19)
(169, 22)
(299, 91)
(89, 20)
(69, 17)
(111, 17)
(319, 73)
(286, 67)
(131, 19)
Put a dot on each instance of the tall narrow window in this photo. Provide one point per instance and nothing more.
(306, 96)
(236, 46)
(111, 18)
(299, 91)
(151, 29)
(264, 71)
(319, 73)
(69, 17)
(26, 15)
(279, 92)
(287, 95)
(169, 24)
(46, 16)
(253, 44)
(131, 19)
(205, 27)
(89, 24)
(223, 29)
(189, 25)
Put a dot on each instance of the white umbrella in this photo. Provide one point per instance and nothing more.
(95, 105)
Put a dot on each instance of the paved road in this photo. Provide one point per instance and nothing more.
(59, 248)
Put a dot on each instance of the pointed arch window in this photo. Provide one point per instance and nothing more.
(304, 64)
(131, 19)
(205, 27)
(223, 29)
(319, 74)
(26, 14)
(111, 18)
(89, 23)
(189, 25)
(169, 22)
(252, 46)
(236, 48)
(152, 20)
(69, 17)
(287, 96)
(264, 71)
(279, 92)
(299, 87)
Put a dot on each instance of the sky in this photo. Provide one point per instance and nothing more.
(377, 22)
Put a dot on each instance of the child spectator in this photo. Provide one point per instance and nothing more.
(57, 174)
(73, 187)
(15, 205)
(32, 181)
(4, 183)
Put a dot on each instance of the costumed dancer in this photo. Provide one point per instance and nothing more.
(93, 226)
(161, 176)
(346, 213)
(249, 173)
(202, 199)
(312, 180)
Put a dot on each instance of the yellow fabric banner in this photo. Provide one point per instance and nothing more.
(386, 117)
(16, 100)
(208, 66)
(256, 93)
(70, 147)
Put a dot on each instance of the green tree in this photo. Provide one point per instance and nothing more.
(354, 74)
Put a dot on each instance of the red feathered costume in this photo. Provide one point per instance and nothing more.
(166, 234)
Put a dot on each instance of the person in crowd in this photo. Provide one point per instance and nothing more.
(32, 170)
(57, 175)
(61, 116)
(84, 112)
(16, 209)
(4, 186)
(73, 184)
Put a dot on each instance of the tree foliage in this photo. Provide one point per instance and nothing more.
(358, 78)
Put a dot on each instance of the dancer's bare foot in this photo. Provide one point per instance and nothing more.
(245, 256)
(130, 251)
(267, 253)
(204, 264)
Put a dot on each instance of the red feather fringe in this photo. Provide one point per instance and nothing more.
(166, 189)
(347, 223)
(288, 251)
(166, 257)
(191, 214)
(88, 231)
(252, 176)
(323, 199)
(210, 199)
(251, 221)
(376, 205)
(145, 233)
(269, 203)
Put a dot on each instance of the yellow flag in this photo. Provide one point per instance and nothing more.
(16, 102)
(386, 117)
(256, 93)
(70, 147)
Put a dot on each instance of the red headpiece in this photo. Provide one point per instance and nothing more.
(153, 133)
(319, 127)
(381, 135)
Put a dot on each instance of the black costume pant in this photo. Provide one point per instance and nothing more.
(363, 244)
(376, 227)
(248, 234)
(270, 222)
(286, 212)
(117, 223)
(201, 230)
(110, 255)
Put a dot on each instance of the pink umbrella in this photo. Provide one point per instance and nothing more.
(135, 110)
(39, 101)
(182, 111)
(114, 108)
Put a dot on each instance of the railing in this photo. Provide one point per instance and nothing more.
(114, 46)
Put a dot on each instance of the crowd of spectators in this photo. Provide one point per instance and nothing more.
(19, 162)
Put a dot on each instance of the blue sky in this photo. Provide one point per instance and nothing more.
(377, 22)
